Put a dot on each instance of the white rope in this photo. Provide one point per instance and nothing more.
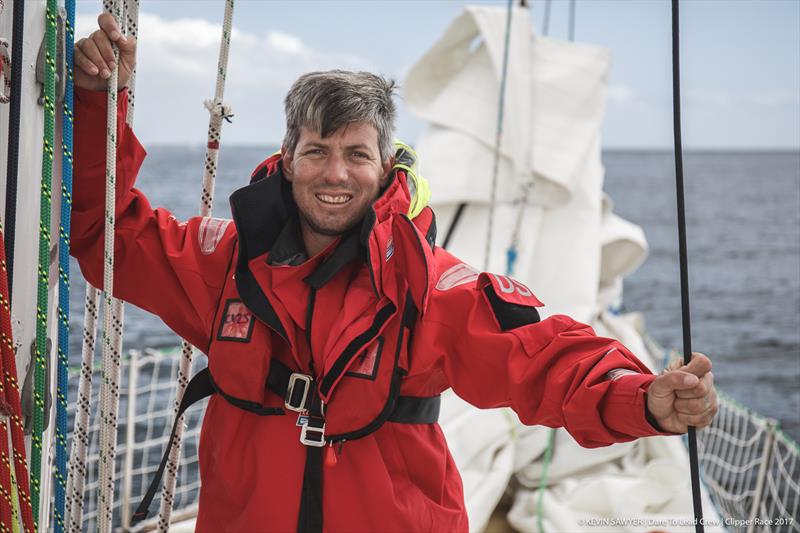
(498, 138)
(80, 433)
(217, 111)
(80, 442)
(112, 325)
(131, 30)
(5, 72)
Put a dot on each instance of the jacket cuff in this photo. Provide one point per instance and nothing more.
(626, 409)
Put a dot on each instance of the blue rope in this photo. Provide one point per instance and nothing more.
(60, 472)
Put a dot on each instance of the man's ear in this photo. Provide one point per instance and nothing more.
(288, 164)
(387, 169)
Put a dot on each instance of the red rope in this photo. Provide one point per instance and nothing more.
(10, 404)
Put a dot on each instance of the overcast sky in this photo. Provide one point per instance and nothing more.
(740, 63)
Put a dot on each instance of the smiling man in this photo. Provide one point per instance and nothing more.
(332, 322)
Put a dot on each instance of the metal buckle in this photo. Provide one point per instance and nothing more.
(293, 379)
(314, 430)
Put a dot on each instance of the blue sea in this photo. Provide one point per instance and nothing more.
(743, 217)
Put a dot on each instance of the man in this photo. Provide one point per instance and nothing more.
(332, 323)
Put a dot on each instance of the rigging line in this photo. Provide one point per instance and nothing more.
(217, 112)
(11, 399)
(44, 262)
(60, 472)
(571, 20)
(112, 326)
(451, 229)
(684, 267)
(546, 18)
(12, 165)
(499, 135)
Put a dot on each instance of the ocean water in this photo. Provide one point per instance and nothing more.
(743, 217)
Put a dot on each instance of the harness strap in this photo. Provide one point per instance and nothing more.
(408, 410)
(198, 388)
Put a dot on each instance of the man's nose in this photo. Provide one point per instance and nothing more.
(336, 171)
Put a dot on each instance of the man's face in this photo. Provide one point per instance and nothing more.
(335, 179)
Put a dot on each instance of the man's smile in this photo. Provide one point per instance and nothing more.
(334, 199)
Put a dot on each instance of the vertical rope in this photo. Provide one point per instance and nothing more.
(498, 136)
(60, 471)
(684, 266)
(12, 165)
(80, 432)
(131, 30)
(571, 20)
(44, 260)
(10, 399)
(218, 111)
(80, 436)
(546, 18)
(109, 386)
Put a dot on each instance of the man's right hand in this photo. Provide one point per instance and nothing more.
(94, 56)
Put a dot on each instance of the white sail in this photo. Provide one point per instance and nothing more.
(573, 252)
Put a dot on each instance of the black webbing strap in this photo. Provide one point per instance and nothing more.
(407, 410)
(198, 388)
(451, 229)
(309, 518)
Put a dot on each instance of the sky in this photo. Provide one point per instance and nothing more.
(740, 63)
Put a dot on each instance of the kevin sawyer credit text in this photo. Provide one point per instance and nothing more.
(664, 522)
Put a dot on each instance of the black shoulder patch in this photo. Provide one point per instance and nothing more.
(510, 315)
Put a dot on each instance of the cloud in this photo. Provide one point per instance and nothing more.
(710, 97)
(177, 68)
(620, 94)
(775, 98)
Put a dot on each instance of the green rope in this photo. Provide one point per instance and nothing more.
(44, 259)
(548, 456)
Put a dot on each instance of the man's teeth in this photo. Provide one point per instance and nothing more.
(339, 199)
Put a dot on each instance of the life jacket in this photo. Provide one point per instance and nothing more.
(253, 356)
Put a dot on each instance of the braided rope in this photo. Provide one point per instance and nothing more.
(44, 259)
(498, 138)
(10, 401)
(6, 498)
(80, 432)
(131, 29)
(60, 472)
(5, 72)
(112, 326)
(217, 111)
(80, 438)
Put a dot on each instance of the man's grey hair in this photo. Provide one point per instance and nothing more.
(326, 101)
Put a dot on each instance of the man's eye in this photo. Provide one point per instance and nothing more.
(360, 155)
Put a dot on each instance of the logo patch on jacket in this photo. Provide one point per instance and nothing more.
(366, 364)
(454, 276)
(237, 322)
(210, 233)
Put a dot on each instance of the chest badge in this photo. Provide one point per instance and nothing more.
(366, 364)
(237, 322)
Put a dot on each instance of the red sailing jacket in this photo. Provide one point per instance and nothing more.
(241, 293)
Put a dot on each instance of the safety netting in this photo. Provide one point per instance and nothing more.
(146, 413)
(751, 468)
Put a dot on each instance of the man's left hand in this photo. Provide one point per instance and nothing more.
(684, 396)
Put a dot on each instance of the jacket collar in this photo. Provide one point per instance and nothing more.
(262, 210)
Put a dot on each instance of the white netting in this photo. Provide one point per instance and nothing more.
(752, 470)
(154, 374)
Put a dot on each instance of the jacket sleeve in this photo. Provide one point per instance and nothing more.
(484, 335)
(173, 269)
